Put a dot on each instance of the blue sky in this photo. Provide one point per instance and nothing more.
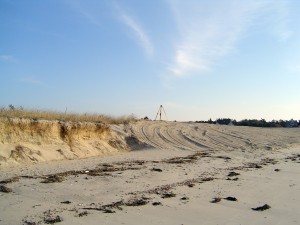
(200, 59)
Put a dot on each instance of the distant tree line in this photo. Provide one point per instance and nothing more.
(254, 122)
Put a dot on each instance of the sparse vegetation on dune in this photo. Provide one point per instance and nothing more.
(20, 112)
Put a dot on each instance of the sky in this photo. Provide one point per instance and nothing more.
(200, 59)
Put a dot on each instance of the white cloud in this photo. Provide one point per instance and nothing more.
(137, 30)
(210, 30)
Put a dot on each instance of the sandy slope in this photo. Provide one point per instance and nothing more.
(181, 168)
(32, 141)
(193, 136)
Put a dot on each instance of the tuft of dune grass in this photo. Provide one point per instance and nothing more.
(72, 117)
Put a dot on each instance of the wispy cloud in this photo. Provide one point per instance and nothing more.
(136, 28)
(280, 19)
(210, 31)
(84, 12)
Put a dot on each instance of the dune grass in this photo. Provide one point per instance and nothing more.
(73, 117)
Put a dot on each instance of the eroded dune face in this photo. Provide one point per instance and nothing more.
(25, 140)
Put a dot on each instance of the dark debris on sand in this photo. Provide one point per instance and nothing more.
(294, 157)
(10, 180)
(53, 179)
(156, 169)
(233, 199)
(26, 222)
(267, 161)
(223, 157)
(109, 208)
(66, 202)
(103, 209)
(136, 202)
(52, 219)
(253, 165)
(103, 170)
(156, 203)
(215, 200)
(262, 208)
(187, 159)
(168, 195)
(81, 214)
(231, 174)
(5, 189)
(165, 189)
(234, 179)
(184, 198)
(114, 205)
(207, 179)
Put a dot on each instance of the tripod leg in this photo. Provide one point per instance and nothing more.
(164, 112)
(156, 114)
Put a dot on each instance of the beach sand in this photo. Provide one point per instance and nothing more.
(175, 173)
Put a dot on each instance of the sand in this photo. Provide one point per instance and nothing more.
(170, 174)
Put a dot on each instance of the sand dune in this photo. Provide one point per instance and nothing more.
(193, 136)
(159, 173)
(33, 141)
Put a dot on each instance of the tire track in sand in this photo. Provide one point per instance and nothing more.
(202, 137)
